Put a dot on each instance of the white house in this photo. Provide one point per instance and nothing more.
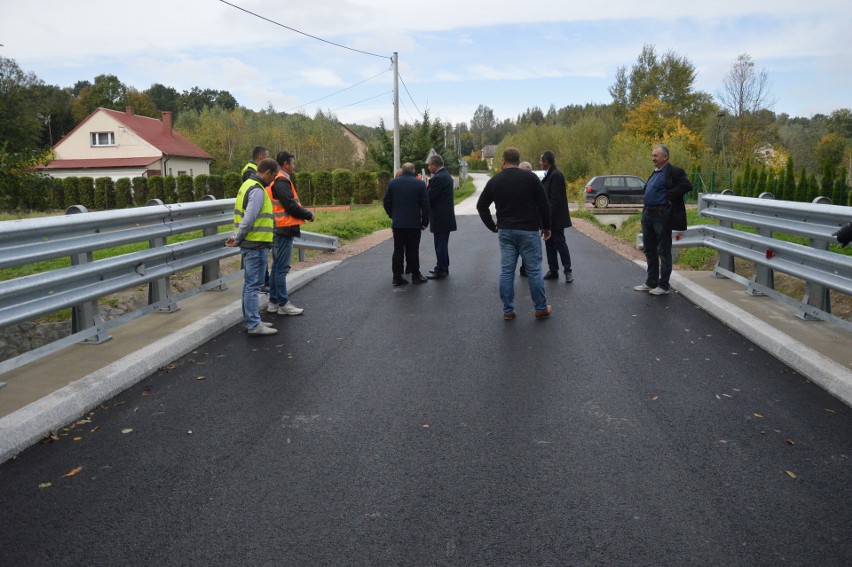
(109, 143)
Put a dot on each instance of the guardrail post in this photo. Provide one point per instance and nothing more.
(763, 275)
(211, 271)
(724, 260)
(160, 291)
(815, 294)
(85, 315)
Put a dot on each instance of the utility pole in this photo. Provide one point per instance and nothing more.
(396, 163)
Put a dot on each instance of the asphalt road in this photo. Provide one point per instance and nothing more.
(413, 426)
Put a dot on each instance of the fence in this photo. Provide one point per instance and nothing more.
(821, 270)
(167, 230)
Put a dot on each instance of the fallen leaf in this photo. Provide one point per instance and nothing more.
(72, 472)
(425, 426)
(126, 431)
(757, 415)
(718, 397)
(45, 485)
(189, 432)
(727, 396)
(790, 442)
(95, 428)
(146, 393)
(791, 474)
(200, 378)
(830, 410)
(654, 398)
(77, 438)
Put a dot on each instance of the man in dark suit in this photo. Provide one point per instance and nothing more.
(664, 211)
(560, 219)
(443, 217)
(407, 204)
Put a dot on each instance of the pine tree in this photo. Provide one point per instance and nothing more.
(827, 185)
(802, 187)
(790, 181)
(760, 186)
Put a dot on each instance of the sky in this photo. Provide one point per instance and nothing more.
(453, 55)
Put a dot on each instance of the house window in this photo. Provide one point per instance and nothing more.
(181, 173)
(103, 139)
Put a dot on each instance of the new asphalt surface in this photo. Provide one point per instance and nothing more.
(413, 426)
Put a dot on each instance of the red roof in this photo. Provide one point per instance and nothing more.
(152, 130)
(106, 163)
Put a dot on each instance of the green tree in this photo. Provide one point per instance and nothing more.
(164, 98)
(106, 92)
(482, 125)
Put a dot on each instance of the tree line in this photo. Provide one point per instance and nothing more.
(734, 133)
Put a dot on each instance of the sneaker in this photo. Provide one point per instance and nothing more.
(290, 309)
(544, 313)
(262, 330)
(264, 323)
(642, 287)
(659, 291)
(569, 277)
(272, 308)
(509, 316)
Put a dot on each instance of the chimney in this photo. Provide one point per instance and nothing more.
(129, 110)
(167, 122)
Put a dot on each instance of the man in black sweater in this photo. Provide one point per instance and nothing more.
(523, 211)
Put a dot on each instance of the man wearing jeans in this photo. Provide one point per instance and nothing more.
(253, 221)
(664, 210)
(523, 216)
(289, 215)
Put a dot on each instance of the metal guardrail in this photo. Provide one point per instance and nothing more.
(80, 235)
(821, 270)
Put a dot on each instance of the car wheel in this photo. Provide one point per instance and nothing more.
(601, 201)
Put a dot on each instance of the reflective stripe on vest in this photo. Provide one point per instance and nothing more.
(282, 217)
(261, 230)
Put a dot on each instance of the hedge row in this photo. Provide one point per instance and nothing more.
(38, 193)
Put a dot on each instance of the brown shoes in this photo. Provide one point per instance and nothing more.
(509, 316)
(544, 313)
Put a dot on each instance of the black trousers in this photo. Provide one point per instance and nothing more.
(406, 245)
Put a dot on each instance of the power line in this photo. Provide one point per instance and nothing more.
(360, 101)
(338, 92)
(301, 32)
(409, 94)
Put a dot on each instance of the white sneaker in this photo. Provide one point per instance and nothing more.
(289, 309)
(264, 323)
(659, 291)
(642, 287)
(262, 330)
(272, 308)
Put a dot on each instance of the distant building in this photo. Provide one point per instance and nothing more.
(360, 145)
(109, 143)
(488, 154)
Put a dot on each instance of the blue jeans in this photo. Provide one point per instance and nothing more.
(657, 241)
(442, 252)
(254, 272)
(527, 245)
(282, 254)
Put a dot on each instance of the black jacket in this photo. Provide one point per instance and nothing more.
(554, 185)
(406, 202)
(519, 198)
(441, 202)
(677, 187)
(283, 192)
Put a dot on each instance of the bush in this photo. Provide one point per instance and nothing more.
(383, 178)
(155, 188)
(322, 184)
(140, 191)
(57, 194)
(169, 190)
(365, 187)
(104, 193)
(216, 186)
(199, 186)
(343, 186)
(184, 189)
(123, 198)
(87, 193)
(302, 181)
(232, 184)
(71, 190)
